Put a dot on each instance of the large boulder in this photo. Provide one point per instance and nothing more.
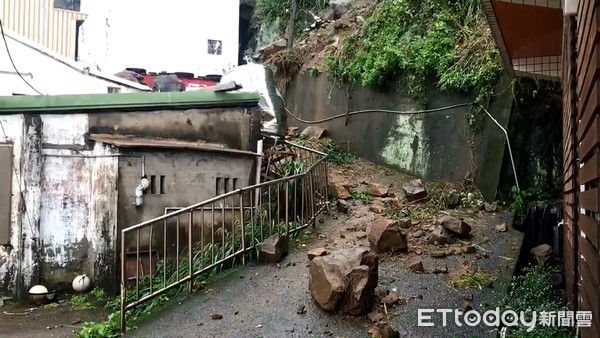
(377, 190)
(439, 236)
(455, 225)
(274, 248)
(345, 280)
(414, 190)
(541, 254)
(339, 187)
(385, 236)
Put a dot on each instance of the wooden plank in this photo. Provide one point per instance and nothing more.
(583, 11)
(586, 81)
(589, 111)
(586, 37)
(589, 199)
(591, 261)
(590, 170)
(585, 26)
(589, 143)
(590, 227)
(589, 302)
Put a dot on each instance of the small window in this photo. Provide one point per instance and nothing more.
(157, 185)
(68, 5)
(114, 90)
(225, 185)
(215, 47)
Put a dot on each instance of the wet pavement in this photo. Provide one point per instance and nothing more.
(264, 300)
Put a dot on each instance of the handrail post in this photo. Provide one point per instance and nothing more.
(243, 225)
(123, 281)
(190, 251)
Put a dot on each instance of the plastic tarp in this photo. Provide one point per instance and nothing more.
(258, 78)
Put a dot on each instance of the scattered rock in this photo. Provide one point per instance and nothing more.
(417, 234)
(414, 190)
(417, 267)
(469, 249)
(273, 48)
(318, 252)
(393, 202)
(313, 132)
(482, 255)
(390, 299)
(452, 201)
(343, 206)
(418, 252)
(405, 223)
(339, 187)
(375, 316)
(383, 330)
(438, 254)
(345, 280)
(76, 321)
(440, 236)
(216, 316)
(441, 270)
(381, 292)
(301, 309)
(500, 227)
(470, 222)
(455, 225)
(385, 236)
(488, 207)
(377, 190)
(274, 248)
(377, 208)
(541, 253)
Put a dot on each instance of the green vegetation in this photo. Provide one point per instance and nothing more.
(361, 195)
(533, 292)
(271, 10)
(415, 42)
(467, 278)
(201, 257)
(88, 301)
(518, 201)
(337, 155)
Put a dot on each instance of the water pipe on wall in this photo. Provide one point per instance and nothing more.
(512, 161)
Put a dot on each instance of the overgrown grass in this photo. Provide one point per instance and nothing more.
(361, 195)
(533, 292)
(335, 154)
(268, 11)
(412, 42)
(471, 278)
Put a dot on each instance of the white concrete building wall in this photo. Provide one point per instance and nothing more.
(50, 73)
(64, 203)
(159, 36)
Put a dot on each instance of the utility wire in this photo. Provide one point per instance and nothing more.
(11, 59)
(397, 112)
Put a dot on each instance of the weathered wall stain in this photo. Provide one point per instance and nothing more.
(67, 189)
(434, 146)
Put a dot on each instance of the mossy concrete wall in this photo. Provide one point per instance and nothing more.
(434, 146)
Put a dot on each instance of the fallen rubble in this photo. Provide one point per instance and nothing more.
(345, 280)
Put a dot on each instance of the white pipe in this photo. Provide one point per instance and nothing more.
(259, 151)
(139, 191)
(512, 161)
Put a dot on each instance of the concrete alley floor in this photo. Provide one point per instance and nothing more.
(263, 300)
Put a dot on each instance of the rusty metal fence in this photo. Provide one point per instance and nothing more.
(171, 252)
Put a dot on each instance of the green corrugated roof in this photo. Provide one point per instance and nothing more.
(127, 101)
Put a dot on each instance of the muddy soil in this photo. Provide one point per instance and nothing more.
(60, 320)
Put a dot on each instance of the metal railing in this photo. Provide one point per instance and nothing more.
(172, 250)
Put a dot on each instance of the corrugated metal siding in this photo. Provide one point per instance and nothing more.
(37, 20)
